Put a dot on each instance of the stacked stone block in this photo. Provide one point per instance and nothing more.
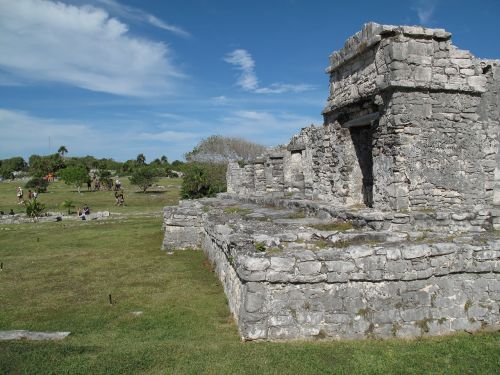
(392, 288)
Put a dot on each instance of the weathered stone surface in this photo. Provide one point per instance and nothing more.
(297, 289)
(30, 335)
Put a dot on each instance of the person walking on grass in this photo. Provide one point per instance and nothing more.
(19, 195)
(121, 199)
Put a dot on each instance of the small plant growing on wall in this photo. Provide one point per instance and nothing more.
(260, 246)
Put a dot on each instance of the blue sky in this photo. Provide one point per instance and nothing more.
(114, 78)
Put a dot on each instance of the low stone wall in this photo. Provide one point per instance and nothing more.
(50, 217)
(285, 280)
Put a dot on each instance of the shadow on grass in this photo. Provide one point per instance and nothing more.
(151, 192)
(91, 191)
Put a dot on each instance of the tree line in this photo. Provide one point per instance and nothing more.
(204, 171)
(42, 165)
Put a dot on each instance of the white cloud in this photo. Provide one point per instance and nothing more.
(83, 46)
(248, 80)
(280, 88)
(24, 134)
(220, 99)
(425, 10)
(135, 14)
(244, 62)
(168, 136)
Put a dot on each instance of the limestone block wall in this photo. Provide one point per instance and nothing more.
(233, 178)
(446, 157)
(274, 172)
(182, 225)
(392, 289)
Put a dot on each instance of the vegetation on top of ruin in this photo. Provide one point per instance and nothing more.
(341, 226)
(219, 149)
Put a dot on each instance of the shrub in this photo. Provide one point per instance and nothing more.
(203, 180)
(34, 209)
(68, 204)
(37, 184)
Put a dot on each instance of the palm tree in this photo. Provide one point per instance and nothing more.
(62, 150)
(141, 159)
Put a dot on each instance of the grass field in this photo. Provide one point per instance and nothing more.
(135, 201)
(58, 276)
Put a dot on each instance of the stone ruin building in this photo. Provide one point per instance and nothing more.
(379, 223)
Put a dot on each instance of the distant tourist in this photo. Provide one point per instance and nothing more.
(81, 213)
(86, 210)
(11, 212)
(121, 199)
(89, 184)
(118, 185)
(20, 195)
(35, 195)
(30, 194)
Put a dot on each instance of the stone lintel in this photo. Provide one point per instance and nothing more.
(276, 156)
(296, 147)
(259, 161)
(366, 120)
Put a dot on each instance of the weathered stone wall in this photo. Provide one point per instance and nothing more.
(411, 123)
(182, 225)
(394, 288)
(233, 178)
(447, 155)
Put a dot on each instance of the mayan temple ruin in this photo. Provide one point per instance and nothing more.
(380, 222)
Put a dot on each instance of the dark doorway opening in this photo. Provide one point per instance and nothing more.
(362, 139)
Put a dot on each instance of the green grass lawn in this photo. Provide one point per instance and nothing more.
(57, 277)
(135, 201)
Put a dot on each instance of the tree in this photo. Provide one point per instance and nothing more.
(76, 176)
(143, 177)
(38, 166)
(42, 165)
(141, 159)
(38, 184)
(164, 159)
(9, 166)
(105, 178)
(62, 150)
